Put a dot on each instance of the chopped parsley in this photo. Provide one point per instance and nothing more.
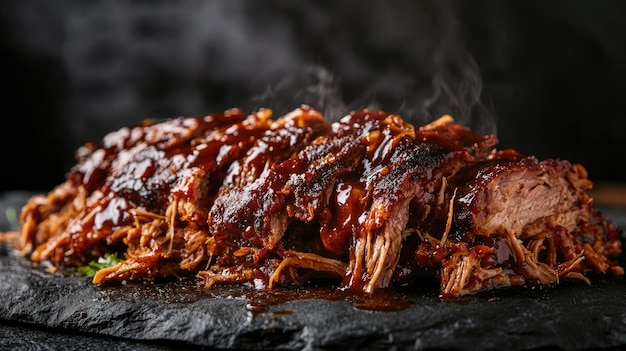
(109, 260)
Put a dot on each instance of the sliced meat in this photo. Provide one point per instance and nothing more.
(155, 192)
(370, 200)
(245, 206)
(408, 169)
(517, 221)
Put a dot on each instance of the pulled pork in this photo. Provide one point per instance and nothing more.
(371, 199)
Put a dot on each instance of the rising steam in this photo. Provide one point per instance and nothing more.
(401, 57)
(128, 61)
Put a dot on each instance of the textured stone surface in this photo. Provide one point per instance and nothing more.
(44, 311)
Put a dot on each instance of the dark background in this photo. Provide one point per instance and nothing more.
(546, 76)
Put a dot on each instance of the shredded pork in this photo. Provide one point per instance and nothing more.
(370, 200)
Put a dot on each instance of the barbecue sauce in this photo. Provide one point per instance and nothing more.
(148, 165)
(376, 197)
(347, 182)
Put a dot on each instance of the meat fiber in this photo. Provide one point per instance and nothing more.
(526, 223)
(370, 200)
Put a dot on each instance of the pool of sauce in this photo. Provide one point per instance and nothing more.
(187, 291)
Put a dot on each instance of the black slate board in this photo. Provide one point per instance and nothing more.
(43, 311)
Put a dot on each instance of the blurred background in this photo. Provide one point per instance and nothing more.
(547, 77)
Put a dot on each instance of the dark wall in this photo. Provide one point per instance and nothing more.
(546, 76)
(556, 73)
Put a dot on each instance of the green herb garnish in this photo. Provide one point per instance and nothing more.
(11, 215)
(109, 260)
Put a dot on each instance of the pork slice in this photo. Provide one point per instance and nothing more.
(146, 174)
(94, 160)
(410, 177)
(510, 194)
(519, 221)
(170, 235)
(300, 188)
(249, 208)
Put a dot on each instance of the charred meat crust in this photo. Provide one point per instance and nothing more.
(371, 200)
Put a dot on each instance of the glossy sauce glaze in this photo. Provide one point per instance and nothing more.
(370, 200)
(145, 166)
